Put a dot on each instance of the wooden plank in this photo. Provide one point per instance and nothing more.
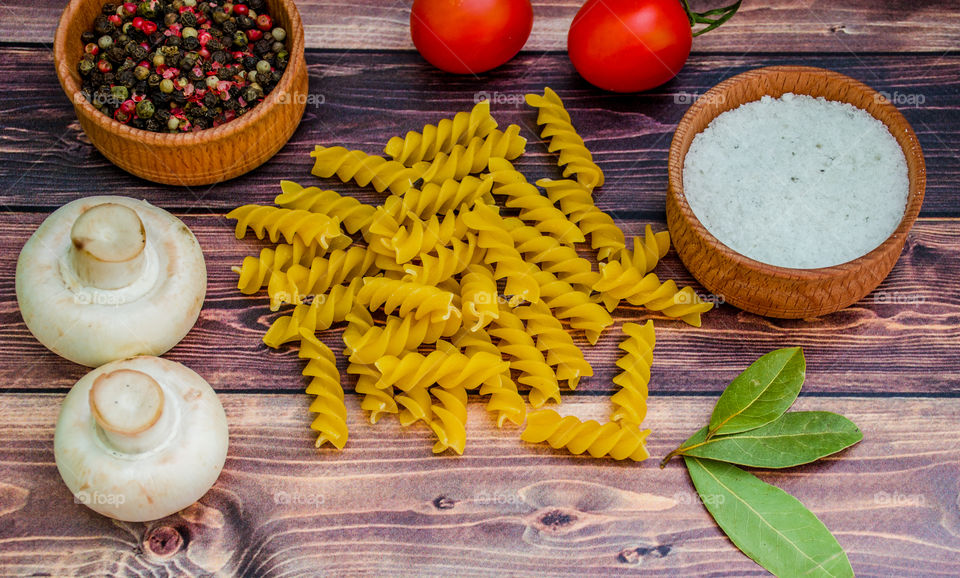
(798, 26)
(386, 505)
(901, 338)
(364, 98)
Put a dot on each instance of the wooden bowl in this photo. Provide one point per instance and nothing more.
(766, 289)
(194, 158)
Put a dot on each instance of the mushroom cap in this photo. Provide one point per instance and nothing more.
(92, 326)
(154, 483)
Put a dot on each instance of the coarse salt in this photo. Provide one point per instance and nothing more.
(797, 181)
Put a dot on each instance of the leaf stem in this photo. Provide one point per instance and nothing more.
(721, 14)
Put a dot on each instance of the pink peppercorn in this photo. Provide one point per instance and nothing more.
(240, 9)
(138, 22)
(204, 53)
(148, 27)
(203, 37)
(130, 8)
(115, 19)
(264, 22)
(253, 34)
(104, 66)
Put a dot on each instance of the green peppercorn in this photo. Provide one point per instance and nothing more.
(240, 38)
(277, 47)
(145, 109)
(170, 19)
(279, 34)
(166, 86)
(119, 93)
(86, 67)
(252, 76)
(146, 10)
(212, 82)
(189, 32)
(141, 72)
(190, 3)
(263, 67)
(219, 16)
(159, 60)
(105, 42)
(173, 123)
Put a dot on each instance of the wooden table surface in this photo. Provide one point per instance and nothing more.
(386, 504)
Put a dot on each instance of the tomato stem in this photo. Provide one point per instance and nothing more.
(712, 18)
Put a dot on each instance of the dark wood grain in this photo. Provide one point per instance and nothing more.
(904, 337)
(368, 97)
(386, 505)
(807, 26)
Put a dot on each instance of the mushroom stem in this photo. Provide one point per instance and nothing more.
(108, 242)
(128, 406)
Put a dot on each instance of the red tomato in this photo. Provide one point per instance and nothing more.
(470, 36)
(629, 45)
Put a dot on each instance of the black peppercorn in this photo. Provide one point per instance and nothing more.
(262, 46)
(220, 57)
(162, 115)
(256, 5)
(126, 78)
(170, 18)
(154, 80)
(245, 23)
(115, 54)
(173, 41)
(188, 19)
(213, 44)
(210, 99)
(88, 37)
(190, 43)
(108, 9)
(103, 26)
(156, 38)
(153, 125)
(229, 27)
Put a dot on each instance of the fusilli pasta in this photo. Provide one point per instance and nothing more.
(620, 441)
(331, 420)
(353, 214)
(433, 139)
(575, 159)
(630, 403)
(290, 223)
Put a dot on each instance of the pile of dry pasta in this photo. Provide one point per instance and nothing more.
(472, 300)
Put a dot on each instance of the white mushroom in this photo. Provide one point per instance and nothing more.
(141, 438)
(109, 277)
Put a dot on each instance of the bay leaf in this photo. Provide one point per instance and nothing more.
(795, 438)
(766, 523)
(761, 394)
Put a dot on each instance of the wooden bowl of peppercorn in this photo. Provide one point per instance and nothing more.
(226, 148)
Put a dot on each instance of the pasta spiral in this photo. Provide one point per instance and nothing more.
(256, 271)
(364, 169)
(630, 403)
(376, 401)
(407, 297)
(515, 342)
(478, 292)
(620, 441)
(505, 400)
(445, 366)
(438, 198)
(353, 214)
(331, 420)
(433, 139)
(575, 159)
(493, 237)
(292, 224)
(393, 338)
(576, 202)
(445, 262)
(450, 419)
(325, 310)
(338, 267)
(555, 343)
(475, 156)
(619, 282)
(412, 236)
(416, 404)
(535, 209)
(551, 255)
(574, 306)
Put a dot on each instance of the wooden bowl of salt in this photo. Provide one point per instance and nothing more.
(792, 206)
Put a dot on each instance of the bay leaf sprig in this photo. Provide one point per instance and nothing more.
(750, 426)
